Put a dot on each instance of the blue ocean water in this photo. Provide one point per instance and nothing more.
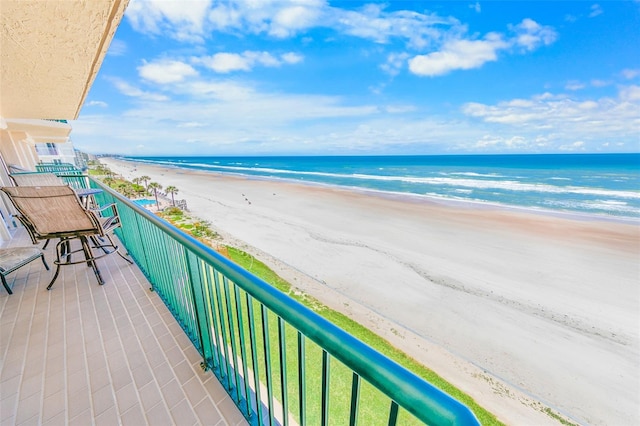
(598, 184)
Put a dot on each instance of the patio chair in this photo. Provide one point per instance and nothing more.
(29, 178)
(12, 259)
(50, 179)
(50, 212)
(36, 179)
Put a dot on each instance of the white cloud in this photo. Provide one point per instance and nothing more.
(292, 58)
(97, 103)
(197, 20)
(117, 48)
(279, 122)
(134, 92)
(231, 103)
(577, 146)
(630, 94)
(286, 18)
(223, 17)
(458, 54)
(277, 18)
(570, 18)
(290, 20)
(399, 109)
(464, 54)
(228, 62)
(476, 6)
(181, 21)
(262, 58)
(191, 124)
(227, 117)
(531, 35)
(630, 74)
(225, 62)
(219, 90)
(420, 30)
(166, 71)
(564, 117)
(574, 85)
(595, 11)
(500, 143)
(395, 62)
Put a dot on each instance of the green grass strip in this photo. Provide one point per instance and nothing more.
(262, 271)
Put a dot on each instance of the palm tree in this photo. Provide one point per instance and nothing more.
(121, 188)
(145, 179)
(172, 190)
(138, 189)
(155, 187)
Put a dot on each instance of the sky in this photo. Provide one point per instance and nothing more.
(319, 77)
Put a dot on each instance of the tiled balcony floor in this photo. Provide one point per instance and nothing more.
(84, 354)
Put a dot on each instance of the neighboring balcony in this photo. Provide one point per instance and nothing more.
(188, 337)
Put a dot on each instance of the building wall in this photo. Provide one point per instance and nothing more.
(56, 152)
(16, 147)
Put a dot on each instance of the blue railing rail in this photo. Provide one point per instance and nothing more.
(280, 362)
(64, 168)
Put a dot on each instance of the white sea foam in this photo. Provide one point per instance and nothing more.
(613, 202)
(605, 205)
(496, 184)
(473, 174)
(509, 185)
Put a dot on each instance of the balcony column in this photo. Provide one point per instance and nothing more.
(16, 147)
(5, 209)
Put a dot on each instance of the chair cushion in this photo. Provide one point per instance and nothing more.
(13, 258)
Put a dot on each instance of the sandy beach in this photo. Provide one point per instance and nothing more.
(513, 307)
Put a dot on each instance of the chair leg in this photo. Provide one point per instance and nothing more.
(45, 244)
(90, 260)
(117, 248)
(4, 283)
(59, 249)
(44, 261)
(98, 242)
(125, 257)
(67, 250)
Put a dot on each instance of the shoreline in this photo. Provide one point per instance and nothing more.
(459, 265)
(405, 196)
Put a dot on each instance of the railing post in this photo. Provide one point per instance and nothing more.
(204, 335)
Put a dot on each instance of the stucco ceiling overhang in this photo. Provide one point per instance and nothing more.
(51, 51)
(40, 131)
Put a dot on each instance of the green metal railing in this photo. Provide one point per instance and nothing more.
(280, 362)
(63, 168)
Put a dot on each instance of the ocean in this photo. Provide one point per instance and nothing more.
(592, 184)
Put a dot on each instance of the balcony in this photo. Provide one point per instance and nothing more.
(87, 354)
(188, 337)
